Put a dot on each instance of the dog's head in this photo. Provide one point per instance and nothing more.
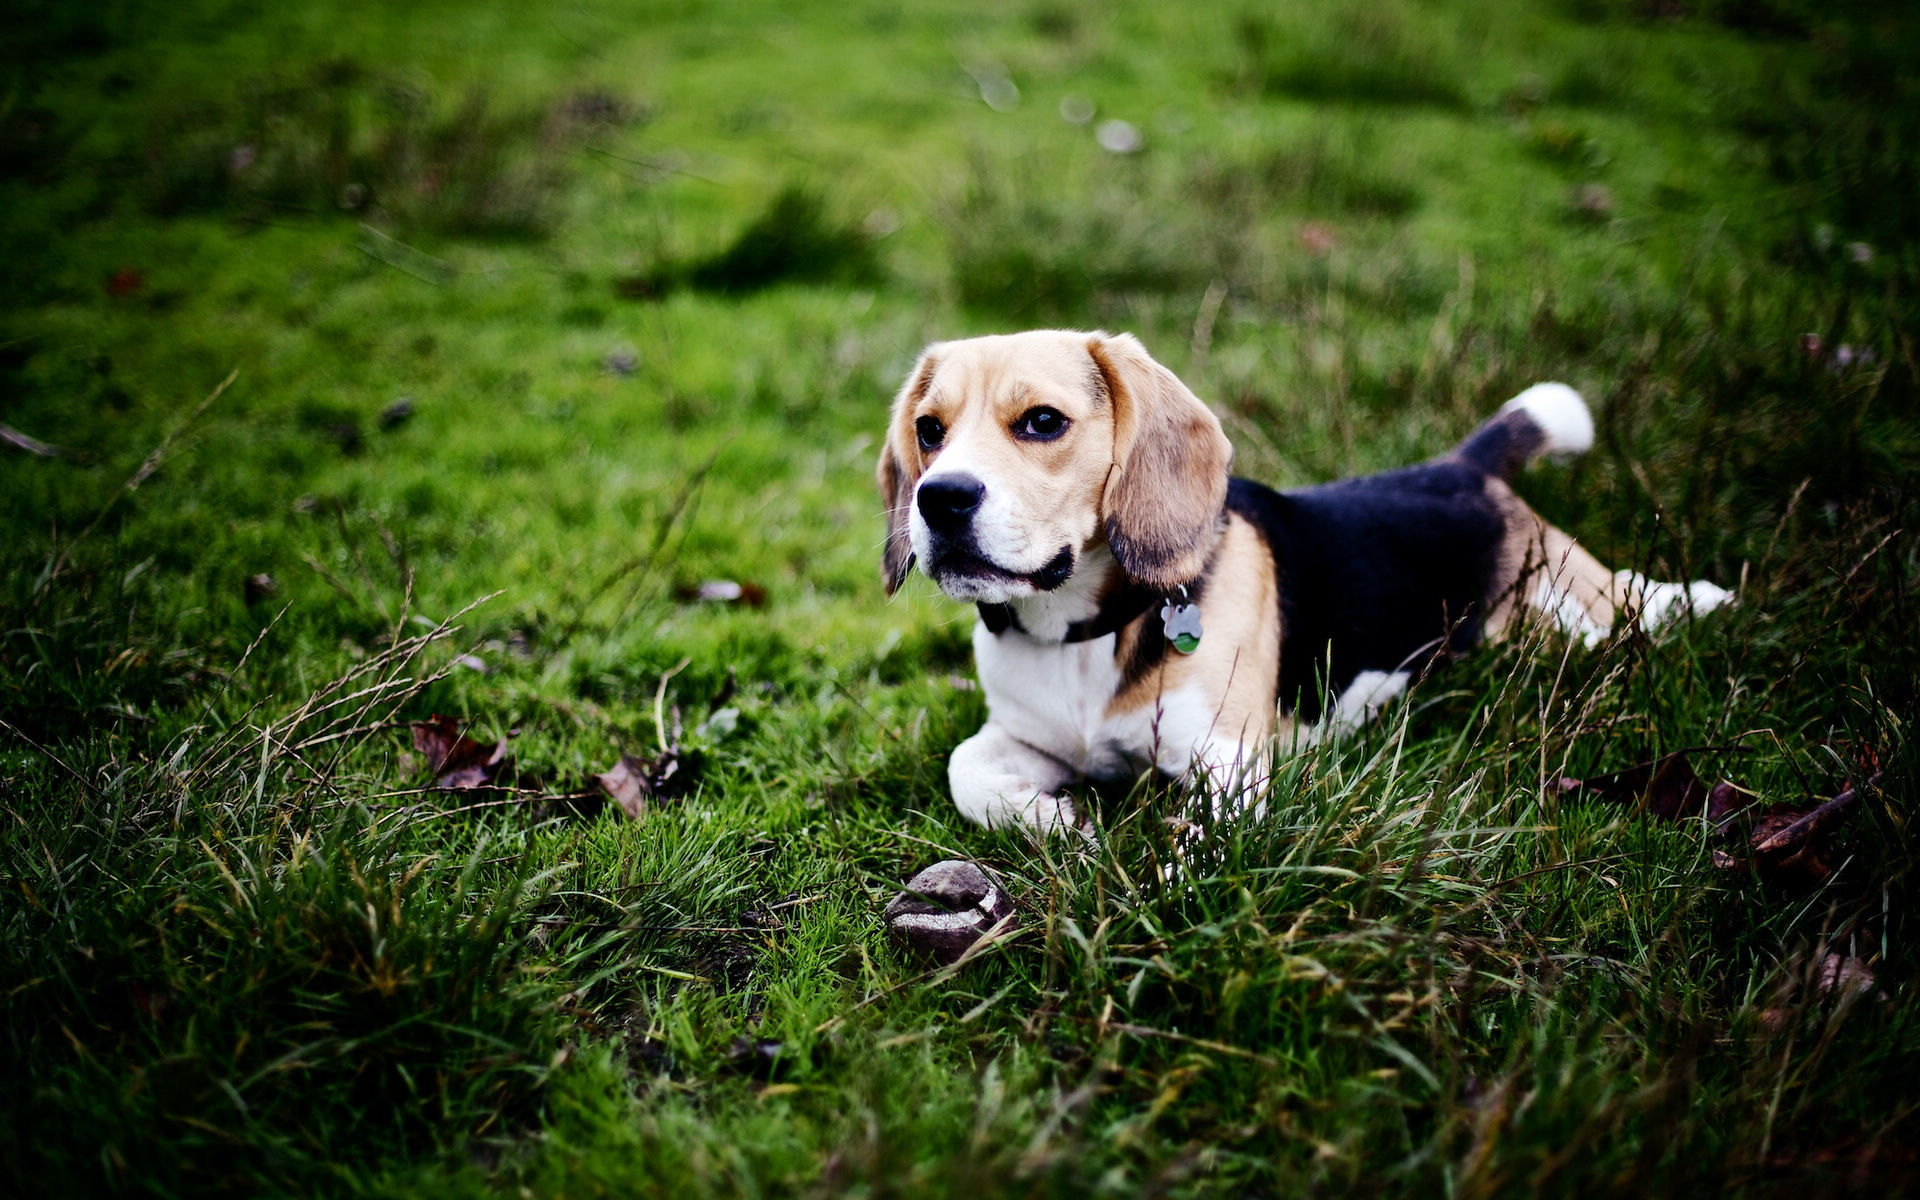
(1009, 457)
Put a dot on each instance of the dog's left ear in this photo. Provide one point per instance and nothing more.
(1170, 461)
(898, 472)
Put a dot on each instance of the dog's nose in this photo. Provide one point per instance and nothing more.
(950, 501)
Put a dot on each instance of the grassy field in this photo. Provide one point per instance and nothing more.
(362, 363)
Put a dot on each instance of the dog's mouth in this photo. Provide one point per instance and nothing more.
(958, 565)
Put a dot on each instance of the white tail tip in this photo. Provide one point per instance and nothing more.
(1561, 415)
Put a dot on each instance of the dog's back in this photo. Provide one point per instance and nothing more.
(1385, 572)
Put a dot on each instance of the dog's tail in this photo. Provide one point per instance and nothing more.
(1547, 418)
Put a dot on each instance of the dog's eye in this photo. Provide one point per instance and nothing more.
(1041, 424)
(931, 432)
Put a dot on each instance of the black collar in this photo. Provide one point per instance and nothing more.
(1121, 608)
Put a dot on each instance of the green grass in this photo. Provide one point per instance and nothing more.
(646, 276)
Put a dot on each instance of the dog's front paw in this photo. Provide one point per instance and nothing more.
(1059, 814)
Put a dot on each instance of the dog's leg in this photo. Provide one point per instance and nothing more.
(1232, 776)
(997, 780)
(1656, 604)
(1568, 586)
(1583, 599)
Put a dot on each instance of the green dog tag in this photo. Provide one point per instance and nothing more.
(1182, 624)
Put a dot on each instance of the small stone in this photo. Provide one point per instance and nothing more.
(762, 1058)
(1119, 137)
(397, 414)
(1593, 200)
(947, 908)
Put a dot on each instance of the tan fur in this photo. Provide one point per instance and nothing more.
(979, 388)
(899, 470)
(1239, 658)
(1170, 466)
(1535, 553)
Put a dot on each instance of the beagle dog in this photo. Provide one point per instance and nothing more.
(1140, 609)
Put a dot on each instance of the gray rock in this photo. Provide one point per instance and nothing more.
(946, 908)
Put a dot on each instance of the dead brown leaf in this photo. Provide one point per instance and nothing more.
(661, 777)
(723, 591)
(626, 785)
(1839, 975)
(1668, 788)
(457, 761)
(634, 782)
(1791, 847)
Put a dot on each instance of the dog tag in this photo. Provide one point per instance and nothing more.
(1182, 623)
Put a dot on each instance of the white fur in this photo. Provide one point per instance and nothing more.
(1369, 692)
(1046, 615)
(1659, 604)
(1047, 724)
(1003, 537)
(1566, 612)
(1560, 413)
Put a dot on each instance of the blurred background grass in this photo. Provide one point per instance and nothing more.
(578, 307)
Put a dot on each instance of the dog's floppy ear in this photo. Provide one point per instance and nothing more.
(899, 471)
(1170, 462)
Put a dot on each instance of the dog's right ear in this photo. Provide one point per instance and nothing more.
(899, 472)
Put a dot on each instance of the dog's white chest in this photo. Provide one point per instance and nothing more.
(1054, 697)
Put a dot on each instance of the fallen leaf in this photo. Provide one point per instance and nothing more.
(719, 724)
(1839, 975)
(1774, 1019)
(1667, 787)
(634, 782)
(723, 591)
(1726, 799)
(457, 761)
(946, 908)
(1789, 847)
(626, 785)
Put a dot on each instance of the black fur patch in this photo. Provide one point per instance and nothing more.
(1055, 572)
(1504, 444)
(1150, 648)
(1381, 573)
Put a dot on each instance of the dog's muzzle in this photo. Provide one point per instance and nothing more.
(947, 504)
